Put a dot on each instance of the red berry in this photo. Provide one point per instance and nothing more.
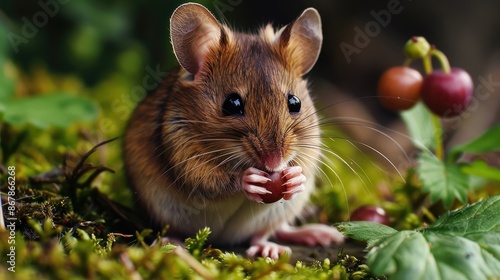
(399, 88)
(275, 186)
(370, 214)
(447, 94)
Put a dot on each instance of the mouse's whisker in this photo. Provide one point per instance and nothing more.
(232, 151)
(369, 126)
(298, 121)
(327, 163)
(230, 157)
(328, 153)
(147, 128)
(198, 156)
(303, 157)
(356, 144)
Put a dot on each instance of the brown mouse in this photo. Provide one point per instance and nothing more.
(198, 149)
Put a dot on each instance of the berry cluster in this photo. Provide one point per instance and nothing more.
(446, 92)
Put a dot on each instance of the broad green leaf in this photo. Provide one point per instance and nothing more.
(480, 168)
(487, 142)
(365, 231)
(443, 181)
(463, 244)
(404, 255)
(58, 110)
(461, 258)
(418, 121)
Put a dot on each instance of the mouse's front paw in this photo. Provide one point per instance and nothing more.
(294, 181)
(249, 181)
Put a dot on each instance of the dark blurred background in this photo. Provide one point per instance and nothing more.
(94, 40)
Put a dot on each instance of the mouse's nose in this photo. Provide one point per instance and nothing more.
(273, 161)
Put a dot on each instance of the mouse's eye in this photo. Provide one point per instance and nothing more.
(233, 105)
(293, 103)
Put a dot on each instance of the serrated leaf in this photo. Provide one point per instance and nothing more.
(58, 110)
(443, 181)
(418, 121)
(463, 244)
(487, 142)
(365, 231)
(480, 168)
(483, 216)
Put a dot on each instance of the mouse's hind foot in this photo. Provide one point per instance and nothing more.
(310, 235)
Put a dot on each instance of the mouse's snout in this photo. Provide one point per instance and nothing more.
(268, 151)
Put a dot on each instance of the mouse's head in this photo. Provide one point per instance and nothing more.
(244, 95)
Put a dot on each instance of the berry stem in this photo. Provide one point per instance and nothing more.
(443, 60)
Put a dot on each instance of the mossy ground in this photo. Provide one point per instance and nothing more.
(68, 226)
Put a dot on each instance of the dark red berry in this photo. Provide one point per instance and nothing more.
(399, 88)
(447, 94)
(370, 214)
(275, 186)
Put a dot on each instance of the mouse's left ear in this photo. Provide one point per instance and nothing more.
(301, 40)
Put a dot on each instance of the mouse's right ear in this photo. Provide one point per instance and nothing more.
(302, 40)
(193, 30)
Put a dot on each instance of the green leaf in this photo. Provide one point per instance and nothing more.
(461, 258)
(404, 255)
(487, 142)
(444, 181)
(418, 121)
(463, 244)
(58, 110)
(7, 80)
(483, 216)
(365, 231)
(481, 169)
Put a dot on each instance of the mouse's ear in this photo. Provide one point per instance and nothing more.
(302, 39)
(193, 29)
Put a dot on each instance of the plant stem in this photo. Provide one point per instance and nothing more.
(438, 139)
(427, 213)
(427, 63)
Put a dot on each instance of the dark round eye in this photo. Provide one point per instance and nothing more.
(293, 103)
(233, 105)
